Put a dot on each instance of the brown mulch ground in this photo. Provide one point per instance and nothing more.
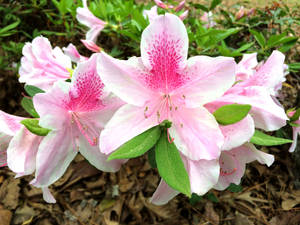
(86, 196)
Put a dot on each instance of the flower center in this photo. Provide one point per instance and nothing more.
(228, 163)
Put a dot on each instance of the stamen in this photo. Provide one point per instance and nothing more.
(225, 173)
(168, 135)
(86, 131)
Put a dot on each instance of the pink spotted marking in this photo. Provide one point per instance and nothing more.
(85, 96)
(164, 56)
(228, 163)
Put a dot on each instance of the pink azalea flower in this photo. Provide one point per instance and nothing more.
(184, 15)
(151, 14)
(162, 84)
(233, 164)
(74, 55)
(91, 46)
(246, 67)
(9, 125)
(161, 4)
(296, 132)
(258, 91)
(180, 6)
(86, 17)
(18, 148)
(41, 65)
(75, 112)
(208, 20)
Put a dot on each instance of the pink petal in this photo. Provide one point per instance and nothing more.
(128, 122)
(91, 45)
(163, 194)
(9, 124)
(121, 77)
(296, 132)
(71, 51)
(41, 66)
(48, 197)
(151, 14)
(233, 163)
(196, 133)
(269, 75)
(85, 16)
(54, 155)
(98, 159)
(246, 67)
(266, 113)
(164, 48)
(49, 106)
(238, 133)
(203, 174)
(21, 152)
(209, 78)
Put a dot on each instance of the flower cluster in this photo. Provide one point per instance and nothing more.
(198, 113)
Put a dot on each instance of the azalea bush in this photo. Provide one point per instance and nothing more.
(162, 81)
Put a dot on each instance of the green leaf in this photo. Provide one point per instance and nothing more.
(295, 116)
(259, 38)
(260, 138)
(214, 4)
(211, 196)
(8, 30)
(235, 188)
(195, 199)
(170, 165)
(138, 145)
(151, 158)
(33, 126)
(28, 106)
(229, 114)
(33, 90)
(199, 6)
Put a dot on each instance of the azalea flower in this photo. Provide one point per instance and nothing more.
(74, 55)
(41, 65)
(75, 112)
(86, 17)
(208, 20)
(18, 148)
(296, 132)
(233, 164)
(151, 14)
(91, 45)
(163, 85)
(259, 91)
(184, 15)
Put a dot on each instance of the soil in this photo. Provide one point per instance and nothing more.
(86, 196)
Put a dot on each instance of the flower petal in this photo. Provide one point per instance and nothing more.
(48, 197)
(203, 174)
(50, 105)
(9, 124)
(164, 48)
(128, 122)
(266, 113)
(196, 133)
(21, 152)
(98, 159)
(246, 67)
(54, 155)
(122, 78)
(269, 75)
(209, 78)
(233, 163)
(163, 194)
(296, 131)
(164, 42)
